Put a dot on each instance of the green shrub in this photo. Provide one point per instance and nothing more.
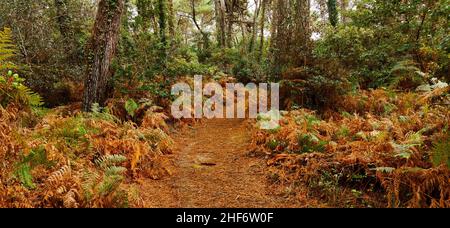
(7, 49)
(35, 158)
(441, 152)
(244, 67)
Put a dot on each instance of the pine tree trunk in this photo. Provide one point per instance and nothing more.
(262, 25)
(303, 31)
(101, 51)
(171, 20)
(162, 31)
(255, 26)
(344, 6)
(333, 15)
(220, 22)
(230, 6)
(62, 17)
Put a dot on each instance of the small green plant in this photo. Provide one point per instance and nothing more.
(311, 121)
(105, 187)
(12, 89)
(110, 161)
(7, 49)
(406, 74)
(102, 113)
(310, 143)
(389, 108)
(343, 132)
(131, 106)
(273, 144)
(357, 193)
(35, 158)
(441, 152)
(23, 172)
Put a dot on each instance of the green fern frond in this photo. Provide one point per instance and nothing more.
(131, 106)
(90, 179)
(96, 109)
(23, 172)
(26, 95)
(110, 160)
(7, 49)
(110, 184)
(404, 66)
(115, 170)
(15, 91)
(103, 113)
(441, 153)
(406, 70)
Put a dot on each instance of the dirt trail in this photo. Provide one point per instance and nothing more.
(213, 170)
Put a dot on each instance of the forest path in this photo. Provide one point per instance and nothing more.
(212, 169)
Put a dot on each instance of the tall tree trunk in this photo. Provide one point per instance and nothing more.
(171, 20)
(244, 36)
(144, 12)
(333, 12)
(220, 22)
(323, 9)
(162, 16)
(230, 5)
(205, 36)
(255, 26)
(303, 31)
(273, 25)
(229, 31)
(344, 6)
(262, 25)
(102, 49)
(63, 17)
(279, 36)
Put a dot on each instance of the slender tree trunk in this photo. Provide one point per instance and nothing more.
(244, 36)
(63, 17)
(220, 22)
(102, 49)
(229, 32)
(262, 24)
(143, 10)
(205, 36)
(273, 25)
(162, 16)
(230, 5)
(333, 15)
(171, 20)
(279, 36)
(323, 9)
(344, 6)
(255, 26)
(155, 24)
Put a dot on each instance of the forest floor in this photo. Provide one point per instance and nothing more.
(214, 169)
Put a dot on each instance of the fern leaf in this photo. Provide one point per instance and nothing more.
(115, 170)
(441, 153)
(25, 177)
(110, 184)
(110, 160)
(131, 106)
(59, 175)
(7, 49)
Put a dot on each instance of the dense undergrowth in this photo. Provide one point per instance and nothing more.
(377, 149)
(65, 158)
(365, 83)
